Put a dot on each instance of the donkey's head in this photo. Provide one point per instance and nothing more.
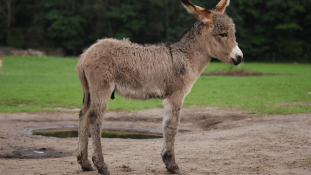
(219, 31)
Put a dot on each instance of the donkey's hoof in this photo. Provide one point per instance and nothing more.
(88, 169)
(105, 171)
(174, 171)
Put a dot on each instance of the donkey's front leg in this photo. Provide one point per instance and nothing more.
(172, 110)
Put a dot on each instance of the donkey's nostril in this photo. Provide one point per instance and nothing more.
(239, 59)
(234, 62)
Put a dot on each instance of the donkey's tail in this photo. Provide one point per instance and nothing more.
(85, 86)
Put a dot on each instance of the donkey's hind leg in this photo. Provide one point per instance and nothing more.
(96, 115)
(172, 111)
(83, 141)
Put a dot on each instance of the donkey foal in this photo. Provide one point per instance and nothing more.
(166, 71)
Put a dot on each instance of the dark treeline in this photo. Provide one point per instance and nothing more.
(274, 30)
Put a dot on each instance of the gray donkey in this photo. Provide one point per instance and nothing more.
(166, 71)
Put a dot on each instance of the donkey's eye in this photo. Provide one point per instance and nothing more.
(223, 35)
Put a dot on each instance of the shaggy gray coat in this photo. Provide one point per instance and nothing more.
(166, 71)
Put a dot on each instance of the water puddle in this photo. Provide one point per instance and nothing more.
(41, 153)
(71, 134)
(107, 132)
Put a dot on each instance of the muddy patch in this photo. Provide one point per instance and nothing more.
(128, 118)
(41, 153)
(64, 109)
(208, 121)
(106, 133)
(118, 132)
(296, 103)
(125, 168)
(236, 73)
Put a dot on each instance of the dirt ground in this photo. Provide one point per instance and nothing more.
(239, 73)
(219, 142)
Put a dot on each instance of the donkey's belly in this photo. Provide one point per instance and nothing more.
(143, 93)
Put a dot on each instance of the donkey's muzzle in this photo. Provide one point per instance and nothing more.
(236, 56)
(237, 61)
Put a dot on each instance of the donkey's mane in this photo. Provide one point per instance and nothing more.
(189, 33)
(195, 28)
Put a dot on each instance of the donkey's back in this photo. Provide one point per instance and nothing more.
(132, 70)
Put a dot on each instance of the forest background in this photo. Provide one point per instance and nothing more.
(274, 30)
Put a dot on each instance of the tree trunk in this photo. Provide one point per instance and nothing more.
(8, 3)
(73, 5)
(166, 19)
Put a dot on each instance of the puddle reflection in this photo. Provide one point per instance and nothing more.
(71, 134)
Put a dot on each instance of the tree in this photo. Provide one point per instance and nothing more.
(66, 27)
(6, 10)
(264, 28)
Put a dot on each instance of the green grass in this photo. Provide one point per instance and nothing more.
(31, 84)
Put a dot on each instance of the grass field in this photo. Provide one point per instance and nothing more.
(31, 84)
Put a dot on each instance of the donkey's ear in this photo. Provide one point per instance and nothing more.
(221, 6)
(198, 12)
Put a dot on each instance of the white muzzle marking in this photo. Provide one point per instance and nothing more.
(237, 54)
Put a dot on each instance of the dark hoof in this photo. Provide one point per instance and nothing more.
(106, 172)
(88, 169)
(175, 171)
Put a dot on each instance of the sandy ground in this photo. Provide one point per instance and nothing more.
(219, 142)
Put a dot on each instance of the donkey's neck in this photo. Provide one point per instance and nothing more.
(190, 43)
(189, 36)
